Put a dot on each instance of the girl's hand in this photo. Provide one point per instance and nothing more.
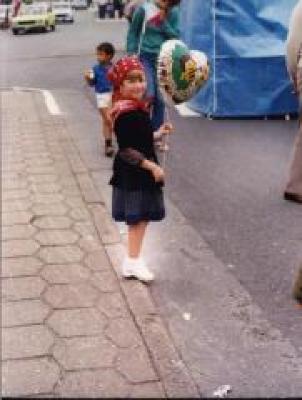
(166, 129)
(155, 169)
(158, 173)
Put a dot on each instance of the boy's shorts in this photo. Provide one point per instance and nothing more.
(104, 100)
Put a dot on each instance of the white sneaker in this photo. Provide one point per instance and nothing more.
(136, 268)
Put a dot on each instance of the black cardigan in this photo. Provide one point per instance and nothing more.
(134, 136)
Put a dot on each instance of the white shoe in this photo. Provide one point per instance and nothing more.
(136, 268)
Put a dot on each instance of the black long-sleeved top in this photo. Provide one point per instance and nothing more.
(134, 135)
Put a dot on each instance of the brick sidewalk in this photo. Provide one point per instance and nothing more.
(71, 327)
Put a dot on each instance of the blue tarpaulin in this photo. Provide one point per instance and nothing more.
(245, 42)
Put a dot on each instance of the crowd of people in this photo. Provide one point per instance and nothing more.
(113, 8)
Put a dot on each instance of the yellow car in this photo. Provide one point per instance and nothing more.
(37, 16)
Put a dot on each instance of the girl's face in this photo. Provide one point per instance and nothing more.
(134, 86)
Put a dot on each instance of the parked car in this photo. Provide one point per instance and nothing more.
(35, 16)
(79, 4)
(5, 15)
(63, 11)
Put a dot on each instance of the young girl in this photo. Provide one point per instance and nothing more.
(137, 179)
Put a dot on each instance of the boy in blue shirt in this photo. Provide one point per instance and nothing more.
(97, 77)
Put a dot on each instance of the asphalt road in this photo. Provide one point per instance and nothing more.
(224, 177)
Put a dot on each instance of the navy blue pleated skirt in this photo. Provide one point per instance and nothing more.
(133, 206)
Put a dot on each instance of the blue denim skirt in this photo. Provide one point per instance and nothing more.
(133, 206)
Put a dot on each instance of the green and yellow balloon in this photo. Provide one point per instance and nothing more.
(181, 72)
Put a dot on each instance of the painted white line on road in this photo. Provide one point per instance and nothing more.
(51, 103)
(185, 111)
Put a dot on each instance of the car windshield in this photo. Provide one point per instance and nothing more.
(32, 10)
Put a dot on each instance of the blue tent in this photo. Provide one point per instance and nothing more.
(245, 42)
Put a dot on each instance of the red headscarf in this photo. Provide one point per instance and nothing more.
(117, 74)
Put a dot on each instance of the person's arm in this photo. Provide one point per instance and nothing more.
(294, 42)
(170, 25)
(291, 57)
(135, 31)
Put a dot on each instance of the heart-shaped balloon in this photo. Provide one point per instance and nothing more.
(181, 72)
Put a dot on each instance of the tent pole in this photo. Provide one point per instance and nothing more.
(214, 59)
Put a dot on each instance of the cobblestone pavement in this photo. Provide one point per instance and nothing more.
(70, 327)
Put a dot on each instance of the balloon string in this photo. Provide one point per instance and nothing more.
(166, 137)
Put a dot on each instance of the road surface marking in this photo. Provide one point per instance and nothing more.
(51, 103)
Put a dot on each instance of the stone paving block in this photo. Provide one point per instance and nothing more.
(50, 187)
(39, 170)
(98, 261)
(123, 332)
(113, 305)
(43, 178)
(79, 214)
(47, 198)
(39, 161)
(71, 296)
(84, 353)
(62, 166)
(32, 155)
(105, 281)
(12, 176)
(68, 273)
(52, 222)
(37, 376)
(90, 244)
(149, 390)
(16, 217)
(75, 202)
(15, 194)
(70, 191)
(58, 209)
(29, 287)
(21, 266)
(26, 341)
(33, 143)
(134, 364)
(106, 228)
(61, 254)
(18, 232)
(17, 248)
(56, 237)
(99, 384)
(82, 322)
(16, 184)
(76, 162)
(25, 312)
(68, 180)
(14, 167)
(88, 189)
(85, 228)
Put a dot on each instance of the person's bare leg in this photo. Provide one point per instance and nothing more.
(107, 131)
(106, 128)
(136, 235)
(134, 266)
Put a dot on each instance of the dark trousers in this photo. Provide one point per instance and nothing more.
(102, 11)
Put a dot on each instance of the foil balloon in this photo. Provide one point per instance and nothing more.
(181, 72)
